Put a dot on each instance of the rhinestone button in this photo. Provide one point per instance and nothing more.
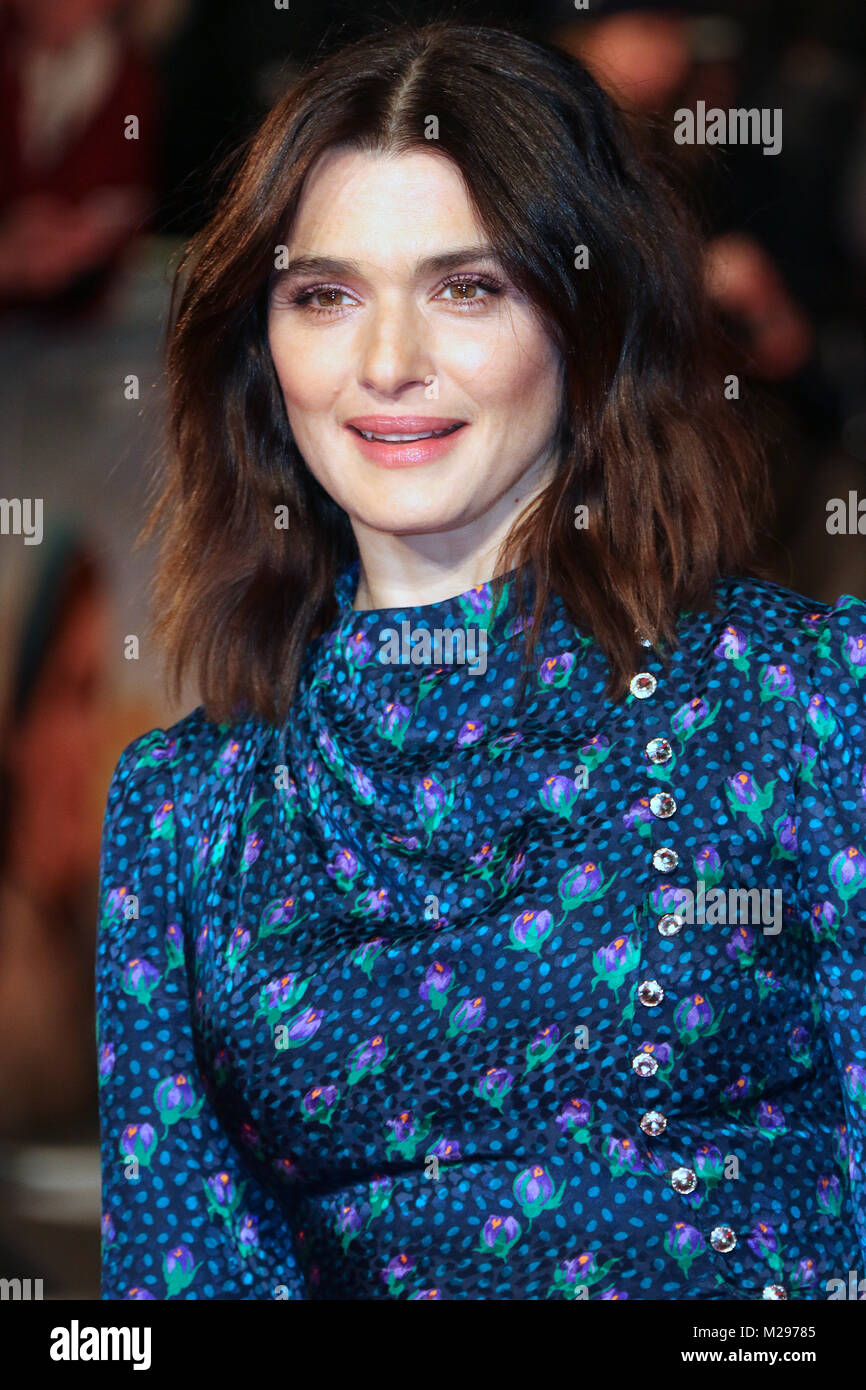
(653, 1123)
(670, 924)
(665, 859)
(658, 750)
(662, 805)
(774, 1291)
(644, 1064)
(684, 1180)
(642, 685)
(722, 1238)
(650, 993)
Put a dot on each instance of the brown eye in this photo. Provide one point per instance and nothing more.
(466, 289)
(326, 299)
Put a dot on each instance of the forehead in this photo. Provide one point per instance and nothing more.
(383, 207)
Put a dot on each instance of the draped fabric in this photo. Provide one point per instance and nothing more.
(431, 993)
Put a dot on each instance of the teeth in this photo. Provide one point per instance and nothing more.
(407, 438)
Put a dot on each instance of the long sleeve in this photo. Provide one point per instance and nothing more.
(182, 1217)
(832, 868)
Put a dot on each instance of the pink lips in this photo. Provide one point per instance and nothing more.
(408, 453)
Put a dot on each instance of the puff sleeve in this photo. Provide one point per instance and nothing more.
(181, 1215)
(831, 831)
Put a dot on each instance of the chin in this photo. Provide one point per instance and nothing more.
(410, 522)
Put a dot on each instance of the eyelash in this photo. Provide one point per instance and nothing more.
(302, 298)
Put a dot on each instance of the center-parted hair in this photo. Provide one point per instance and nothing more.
(672, 473)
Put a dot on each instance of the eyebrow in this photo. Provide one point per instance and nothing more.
(430, 265)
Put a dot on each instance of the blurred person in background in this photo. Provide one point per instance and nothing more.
(53, 643)
(778, 255)
(654, 60)
(75, 173)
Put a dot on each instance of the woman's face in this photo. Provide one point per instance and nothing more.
(413, 348)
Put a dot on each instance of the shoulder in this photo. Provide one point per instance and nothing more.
(169, 777)
(760, 622)
(158, 757)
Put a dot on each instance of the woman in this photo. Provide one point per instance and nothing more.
(53, 638)
(408, 981)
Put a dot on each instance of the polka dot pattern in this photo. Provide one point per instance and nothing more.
(436, 993)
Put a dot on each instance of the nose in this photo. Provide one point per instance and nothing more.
(395, 351)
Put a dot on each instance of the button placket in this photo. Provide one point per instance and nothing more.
(649, 992)
(665, 859)
(658, 751)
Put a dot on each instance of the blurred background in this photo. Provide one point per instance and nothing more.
(114, 117)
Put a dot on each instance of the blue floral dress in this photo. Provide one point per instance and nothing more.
(426, 995)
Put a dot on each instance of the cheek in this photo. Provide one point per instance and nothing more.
(512, 371)
(308, 371)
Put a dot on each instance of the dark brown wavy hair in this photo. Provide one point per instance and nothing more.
(673, 474)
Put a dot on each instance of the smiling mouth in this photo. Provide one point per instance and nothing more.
(406, 438)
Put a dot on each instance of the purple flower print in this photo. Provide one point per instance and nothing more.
(278, 915)
(741, 947)
(535, 1191)
(854, 652)
(394, 722)
(358, 649)
(494, 1086)
(829, 1195)
(466, 1016)
(433, 803)
(179, 1269)
(252, 850)
(847, 872)
(785, 835)
(138, 1142)
(559, 795)
(222, 1195)
(407, 1134)
(738, 1090)
(374, 902)
(854, 1081)
(469, 733)
(691, 717)
(396, 1271)
(555, 671)
(542, 1046)
(707, 865)
(764, 1243)
(139, 980)
(583, 884)
(436, 984)
(361, 787)
(777, 682)
(239, 944)
(343, 869)
(303, 1026)
(820, 718)
(499, 1234)
(575, 1118)
(684, 1244)
(319, 1103)
(622, 1156)
(228, 757)
(368, 1058)
(175, 1099)
(639, 816)
(744, 794)
(695, 1018)
(733, 646)
(530, 930)
(348, 1224)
